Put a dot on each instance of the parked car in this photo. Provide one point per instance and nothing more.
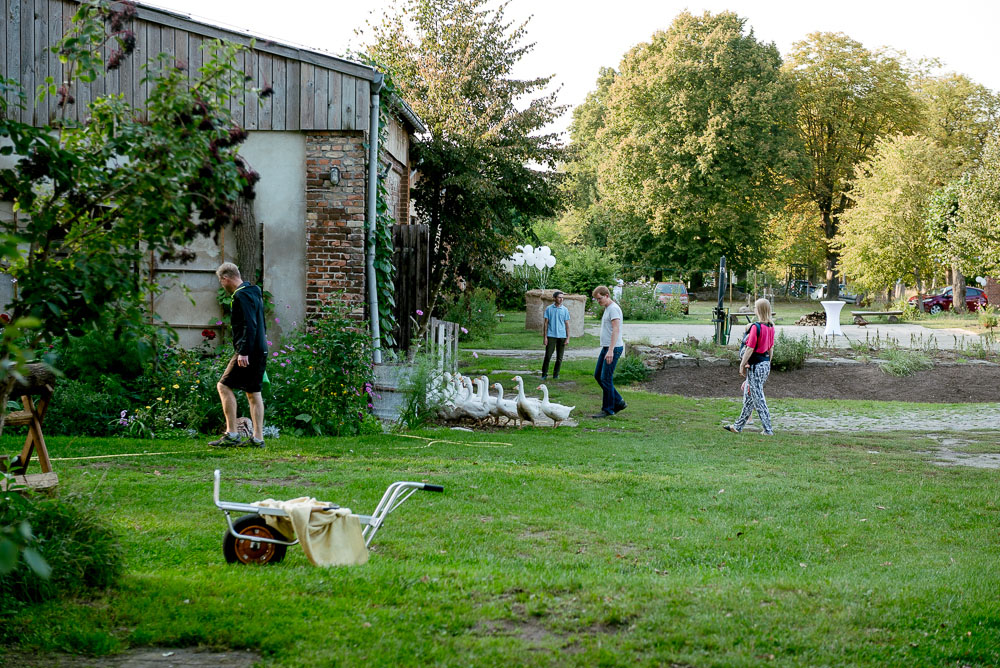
(974, 299)
(668, 292)
(845, 294)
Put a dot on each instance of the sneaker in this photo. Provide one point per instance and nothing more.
(729, 427)
(602, 414)
(555, 377)
(620, 407)
(544, 376)
(254, 443)
(227, 441)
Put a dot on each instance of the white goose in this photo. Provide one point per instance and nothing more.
(505, 407)
(476, 407)
(453, 407)
(528, 408)
(489, 399)
(558, 412)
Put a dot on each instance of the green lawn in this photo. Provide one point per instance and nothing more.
(510, 334)
(654, 538)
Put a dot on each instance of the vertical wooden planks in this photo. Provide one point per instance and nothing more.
(137, 94)
(40, 28)
(334, 111)
(293, 112)
(348, 102)
(265, 109)
(251, 101)
(307, 112)
(12, 44)
(321, 95)
(279, 82)
(363, 103)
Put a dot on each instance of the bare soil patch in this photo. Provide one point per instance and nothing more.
(148, 657)
(966, 383)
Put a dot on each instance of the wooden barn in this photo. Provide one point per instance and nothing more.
(309, 141)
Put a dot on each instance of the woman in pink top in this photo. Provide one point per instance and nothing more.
(755, 366)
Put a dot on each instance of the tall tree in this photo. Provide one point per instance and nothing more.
(697, 137)
(883, 237)
(977, 225)
(487, 165)
(958, 113)
(848, 98)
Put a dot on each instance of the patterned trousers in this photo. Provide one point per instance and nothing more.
(753, 397)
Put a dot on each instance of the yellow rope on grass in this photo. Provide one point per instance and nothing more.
(131, 454)
(433, 441)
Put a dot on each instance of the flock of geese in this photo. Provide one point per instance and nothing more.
(461, 397)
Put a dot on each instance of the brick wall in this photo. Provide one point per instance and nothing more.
(992, 289)
(335, 220)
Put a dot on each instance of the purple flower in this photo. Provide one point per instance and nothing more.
(419, 312)
(476, 355)
(218, 322)
(277, 320)
(282, 364)
(274, 354)
(465, 331)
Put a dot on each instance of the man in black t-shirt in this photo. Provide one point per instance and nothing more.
(245, 370)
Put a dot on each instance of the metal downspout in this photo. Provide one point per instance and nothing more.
(373, 164)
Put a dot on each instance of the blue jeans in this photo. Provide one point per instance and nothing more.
(604, 374)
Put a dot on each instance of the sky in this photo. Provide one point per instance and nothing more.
(575, 38)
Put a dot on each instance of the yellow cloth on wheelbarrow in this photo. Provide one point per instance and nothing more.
(328, 537)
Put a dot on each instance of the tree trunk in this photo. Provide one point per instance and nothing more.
(830, 229)
(247, 234)
(958, 304)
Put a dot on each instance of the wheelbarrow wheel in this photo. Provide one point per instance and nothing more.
(247, 550)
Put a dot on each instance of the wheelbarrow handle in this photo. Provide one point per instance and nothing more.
(433, 488)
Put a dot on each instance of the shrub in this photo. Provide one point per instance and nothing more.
(86, 407)
(80, 549)
(789, 353)
(476, 311)
(421, 391)
(631, 369)
(321, 378)
(901, 362)
(581, 269)
(988, 317)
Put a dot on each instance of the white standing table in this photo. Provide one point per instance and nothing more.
(833, 318)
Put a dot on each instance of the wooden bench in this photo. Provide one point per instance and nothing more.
(734, 318)
(893, 316)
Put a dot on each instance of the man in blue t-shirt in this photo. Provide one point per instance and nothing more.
(554, 334)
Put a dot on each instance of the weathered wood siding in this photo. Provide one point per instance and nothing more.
(312, 91)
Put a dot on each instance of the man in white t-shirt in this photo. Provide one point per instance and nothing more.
(611, 349)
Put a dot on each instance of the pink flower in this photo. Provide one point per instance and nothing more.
(476, 355)
(419, 312)
(274, 354)
(278, 320)
(465, 331)
(218, 322)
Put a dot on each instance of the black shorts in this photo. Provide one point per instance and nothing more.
(247, 378)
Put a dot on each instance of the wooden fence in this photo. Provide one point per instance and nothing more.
(442, 342)
(412, 260)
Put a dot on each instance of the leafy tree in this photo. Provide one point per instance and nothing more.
(959, 114)
(976, 231)
(943, 222)
(795, 237)
(94, 199)
(478, 190)
(848, 99)
(697, 135)
(883, 236)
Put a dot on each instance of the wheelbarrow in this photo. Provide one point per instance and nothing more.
(250, 540)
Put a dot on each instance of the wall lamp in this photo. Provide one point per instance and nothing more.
(334, 176)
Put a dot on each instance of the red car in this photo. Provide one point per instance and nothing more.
(974, 298)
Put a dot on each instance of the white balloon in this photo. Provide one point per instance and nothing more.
(529, 258)
(550, 261)
(529, 249)
(518, 259)
(519, 247)
(544, 251)
(539, 263)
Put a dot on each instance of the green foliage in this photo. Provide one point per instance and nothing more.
(848, 98)
(630, 369)
(453, 61)
(883, 237)
(476, 311)
(789, 353)
(86, 407)
(580, 269)
(421, 390)
(639, 303)
(697, 137)
(902, 362)
(75, 542)
(977, 231)
(16, 540)
(321, 377)
(959, 114)
(988, 316)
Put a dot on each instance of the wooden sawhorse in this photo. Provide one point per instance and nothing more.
(34, 442)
